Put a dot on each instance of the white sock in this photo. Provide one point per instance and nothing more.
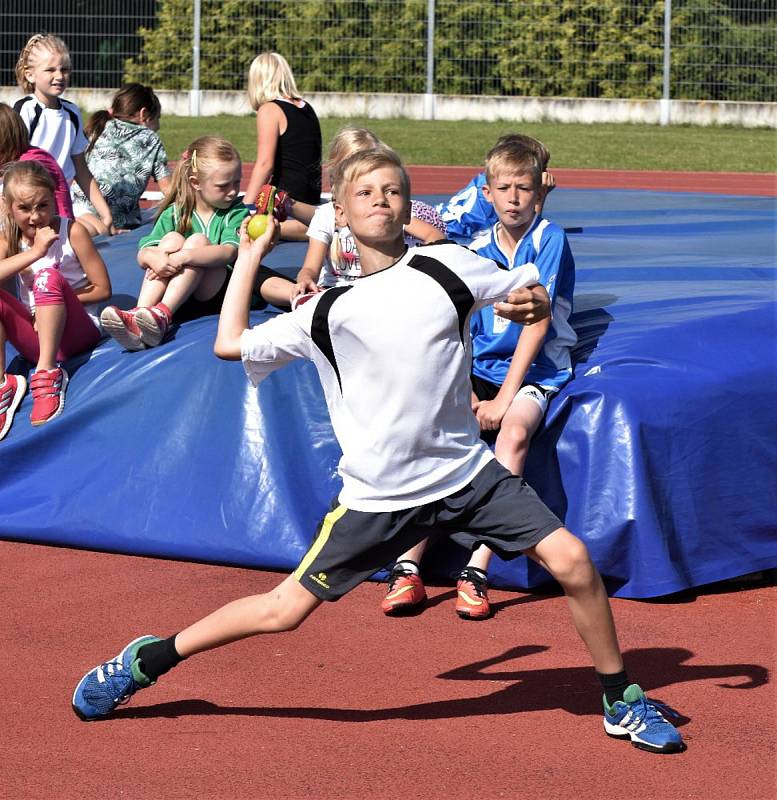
(408, 566)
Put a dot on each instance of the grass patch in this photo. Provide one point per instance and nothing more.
(601, 146)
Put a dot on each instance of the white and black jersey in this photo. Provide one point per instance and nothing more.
(393, 354)
(60, 131)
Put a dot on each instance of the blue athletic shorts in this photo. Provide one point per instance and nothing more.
(497, 508)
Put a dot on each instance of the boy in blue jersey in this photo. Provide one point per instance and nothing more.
(515, 370)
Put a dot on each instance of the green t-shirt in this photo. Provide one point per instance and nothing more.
(222, 228)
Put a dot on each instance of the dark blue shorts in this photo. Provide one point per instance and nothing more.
(496, 508)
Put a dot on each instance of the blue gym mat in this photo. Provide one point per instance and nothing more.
(661, 453)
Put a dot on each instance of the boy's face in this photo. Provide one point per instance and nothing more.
(49, 73)
(373, 206)
(513, 197)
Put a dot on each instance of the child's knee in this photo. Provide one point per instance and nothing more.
(282, 618)
(171, 242)
(571, 565)
(48, 287)
(515, 436)
(196, 240)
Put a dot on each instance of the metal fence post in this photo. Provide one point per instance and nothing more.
(665, 105)
(194, 92)
(429, 96)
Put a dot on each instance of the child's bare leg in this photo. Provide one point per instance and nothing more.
(3, 339)
(50, 324)
(283, 608)
(415, 553)
(566, 558)
(93, 224)
(515, 433)
(174, 291)
(512, 446)
(151, 291)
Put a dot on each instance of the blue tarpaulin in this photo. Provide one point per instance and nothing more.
(661, 453)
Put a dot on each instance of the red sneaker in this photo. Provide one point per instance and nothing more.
(48, 394)
(11, 394)
(122, 326)
(405, 594)
(472, 596)
(272, 200)
(153, 323)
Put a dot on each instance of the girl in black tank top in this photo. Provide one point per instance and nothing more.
(297, 164)
(288, 133)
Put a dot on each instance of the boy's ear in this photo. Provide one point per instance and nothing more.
(340, 217)
(487, 193)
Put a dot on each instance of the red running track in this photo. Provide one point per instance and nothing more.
(446, 180)
(354, 705)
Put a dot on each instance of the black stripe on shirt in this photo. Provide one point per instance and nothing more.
(454, 286)
(319, 328)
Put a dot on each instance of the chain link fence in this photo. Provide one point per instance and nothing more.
(708, 50)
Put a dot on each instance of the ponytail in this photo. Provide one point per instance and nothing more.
(95, 127)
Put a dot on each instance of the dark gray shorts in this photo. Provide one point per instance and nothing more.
(497, 508)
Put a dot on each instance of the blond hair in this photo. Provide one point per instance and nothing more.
(14, 138)
(199, 158)
(27, 173)
(26, 60)
(345, 143)
(270, 77)
(516, 154)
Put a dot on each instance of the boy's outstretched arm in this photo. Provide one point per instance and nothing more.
(233, 319)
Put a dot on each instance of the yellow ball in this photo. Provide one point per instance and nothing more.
(257, 225)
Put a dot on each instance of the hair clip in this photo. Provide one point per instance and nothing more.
(194, 161)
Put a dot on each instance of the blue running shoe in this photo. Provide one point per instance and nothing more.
(641, 720)
(112, 683)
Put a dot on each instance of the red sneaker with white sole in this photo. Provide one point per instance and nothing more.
(11, 393)
(48, 394)
(153, 322)
(122, 326)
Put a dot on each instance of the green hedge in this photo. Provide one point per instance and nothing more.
(569, 48)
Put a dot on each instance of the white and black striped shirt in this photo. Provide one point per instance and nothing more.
(393, 354)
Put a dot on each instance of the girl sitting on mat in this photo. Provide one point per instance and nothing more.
(60, 279)
(189, 253)
(124, 153)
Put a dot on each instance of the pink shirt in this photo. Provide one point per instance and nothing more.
(61, 189)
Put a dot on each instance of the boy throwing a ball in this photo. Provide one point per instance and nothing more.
(413, 461)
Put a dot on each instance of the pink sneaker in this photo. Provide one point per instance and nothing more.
(11, 394)
(122, 326)
(153, 323)
(48, 394)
